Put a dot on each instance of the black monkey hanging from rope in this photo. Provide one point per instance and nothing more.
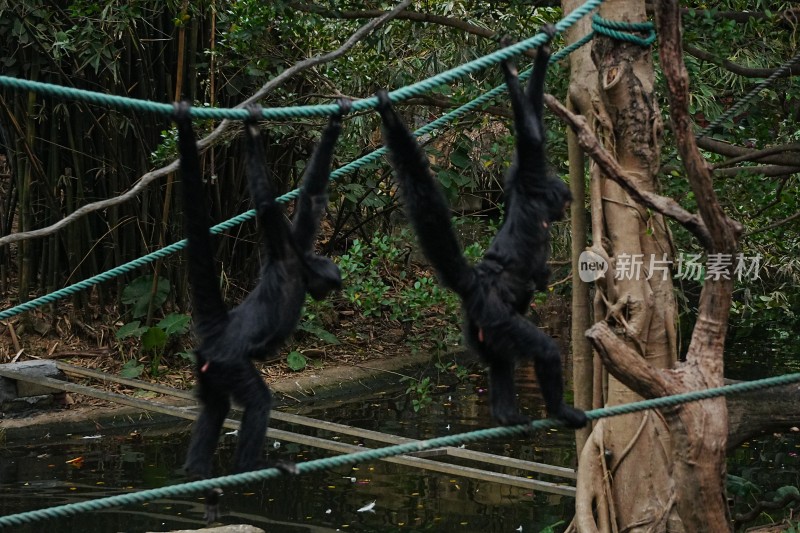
(229, 340)
(496, 292)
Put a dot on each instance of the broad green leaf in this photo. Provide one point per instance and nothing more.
(296, 361)
(174, 324)
(138, 293)
(132, 369)
(460, 159)
(154, 338)
(131, 329)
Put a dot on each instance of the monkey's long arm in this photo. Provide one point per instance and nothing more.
(529, 156)
(208, 307)
(313, 197)
(270, 213)
(425, 204)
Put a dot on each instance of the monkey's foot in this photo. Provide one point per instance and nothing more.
(509, 417)
(389, 117)
(383, 100)
(571, 417)
(287, 467)
(345, 105)
(212, 505)
(550, 31)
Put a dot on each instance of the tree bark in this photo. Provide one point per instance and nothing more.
(650, 479)
(623, 481)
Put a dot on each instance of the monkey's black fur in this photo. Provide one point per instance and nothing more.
(256, 329)
(497, 291)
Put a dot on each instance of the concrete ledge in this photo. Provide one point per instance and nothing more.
(11, 389)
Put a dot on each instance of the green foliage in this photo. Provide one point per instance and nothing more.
(175, 324)
(458, 370)
(419, 390)
(319, 332)
(131, 329)
(379, 282)
(765, 470)
(296, 361)
(552, 528)
(153, 340)
(783, 492)
(770, 316)
(741, 487)
(139, 294)
(132, 369)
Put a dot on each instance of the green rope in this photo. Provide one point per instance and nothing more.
(621, 30)
(745, 100)
(326, 463)
(239, 219)
(416, 89)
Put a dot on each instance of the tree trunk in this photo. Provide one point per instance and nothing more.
(582, 355)
(656, 471)
(613, 89)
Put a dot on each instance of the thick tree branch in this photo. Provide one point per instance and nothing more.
(627, 365)
(212, 137)
(762, 506)
(612, 169)
(723, 230)
(750, 414)
(747, 72)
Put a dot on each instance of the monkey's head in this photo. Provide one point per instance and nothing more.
(558, 197)
(322, 276)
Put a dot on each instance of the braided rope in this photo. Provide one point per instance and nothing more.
(247, 215)
(416, 89)
(745, 100)
(325, 463)
(621, 30)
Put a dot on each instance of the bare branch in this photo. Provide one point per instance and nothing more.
(774, 224)
(757, 155)
(415, 16)
(765, 170)
(612, 169)
(785, 154)
(747, 72)
(207, 141)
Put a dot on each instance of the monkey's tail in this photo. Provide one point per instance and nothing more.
(426, 205)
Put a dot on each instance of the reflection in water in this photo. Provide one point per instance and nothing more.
(35, 475)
